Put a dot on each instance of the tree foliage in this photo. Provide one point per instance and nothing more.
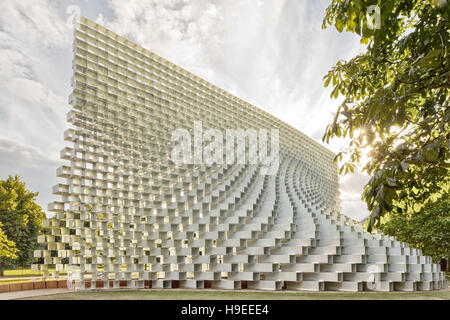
(7, 248)
(21, 218)
(428, 230)
(396, 101)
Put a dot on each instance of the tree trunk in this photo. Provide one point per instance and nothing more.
(445, 265)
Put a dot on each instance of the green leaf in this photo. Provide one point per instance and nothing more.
(431, 155)
(327, 81)
(416, 207)
(339, 25)
(397, 89)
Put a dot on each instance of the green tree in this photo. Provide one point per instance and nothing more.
(396, 101)
(428, 230)
(7, 248)
(22, 221)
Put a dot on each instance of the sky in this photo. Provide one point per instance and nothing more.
(272, 54)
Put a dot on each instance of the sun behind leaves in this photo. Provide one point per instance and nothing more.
(396, 102)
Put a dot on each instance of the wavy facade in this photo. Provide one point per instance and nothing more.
(128, 214)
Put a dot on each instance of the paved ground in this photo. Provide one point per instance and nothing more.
(41, 293)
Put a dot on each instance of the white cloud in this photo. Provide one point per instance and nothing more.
(33, 22)
(32, 111)
(352, 205)
(14, 153)
(351, 190)
(33, 165)
(354, 183)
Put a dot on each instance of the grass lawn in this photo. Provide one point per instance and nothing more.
(25, 273)
(180, 294)
(6, 281)
(21, 273)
